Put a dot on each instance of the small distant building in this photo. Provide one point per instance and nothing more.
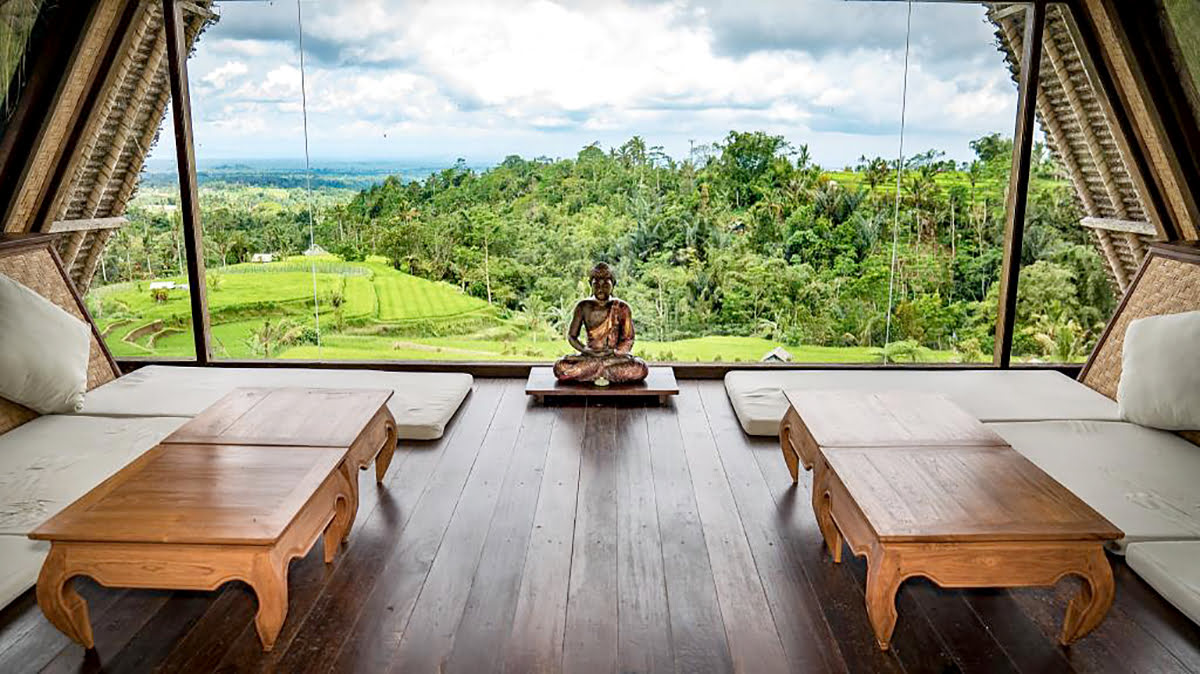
(777, 355)
(262, 258)
(315, 249)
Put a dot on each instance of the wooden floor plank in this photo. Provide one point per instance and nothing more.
(210, 638)
(590, 637)
(480, 633)
(156, 638)
(965, 636)
(534, 643)
(428, 634)
(351, 590)
(753, 641)
(806, 637)
(372, 642)
(643, 619)
(697, 631)
(1020, 637)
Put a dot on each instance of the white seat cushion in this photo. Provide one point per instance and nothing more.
(49, 462)
(1171, 568)
(1143, 480)
(990, 395)
(21, 560)
(423, 404)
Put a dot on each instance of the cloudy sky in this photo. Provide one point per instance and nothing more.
(440, 79)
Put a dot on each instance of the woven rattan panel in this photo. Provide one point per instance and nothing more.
(36, 269)
(1166, 287)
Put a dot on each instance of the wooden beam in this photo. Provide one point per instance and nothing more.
(185, 156)
(1018, 182)
(87, 224)
(1117, 225)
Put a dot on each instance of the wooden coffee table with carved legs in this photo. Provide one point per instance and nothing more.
(194, 517)
(962, 517)
(921, 488)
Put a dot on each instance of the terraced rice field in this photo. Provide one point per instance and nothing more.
(242, 297)
(404, 298)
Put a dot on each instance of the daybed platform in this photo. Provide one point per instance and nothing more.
(1143, 480)
(47, 464)
(424, 402)
(989, 395)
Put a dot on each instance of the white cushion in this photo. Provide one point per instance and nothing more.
(1143, 480)
(1160, 372)
(423, 404)
(1173, 569)
(49, 462)
(20, 562)
(990, 395)
(44, 360)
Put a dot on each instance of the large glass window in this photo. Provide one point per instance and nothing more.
(140, 296)
(816, 182)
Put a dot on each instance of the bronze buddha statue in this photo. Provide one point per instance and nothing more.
(608, 322)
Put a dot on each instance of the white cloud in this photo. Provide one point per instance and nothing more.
(533, 77)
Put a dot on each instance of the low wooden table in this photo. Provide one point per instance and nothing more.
(660, 383)
(818, 419)
(195, 517)
(355, 420)
(945, 498)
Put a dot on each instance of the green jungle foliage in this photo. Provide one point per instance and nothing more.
(745, 246)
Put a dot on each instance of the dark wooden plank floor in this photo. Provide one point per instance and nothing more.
(595, 538)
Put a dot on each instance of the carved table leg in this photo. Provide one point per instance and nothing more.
(345, 510)
(61, 604)
(270, 586)
(883, 580)
(1088, 608)
(389, 448)
(790, 456)
(823, 510)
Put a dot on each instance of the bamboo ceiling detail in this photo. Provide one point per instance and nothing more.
(130, 114)
(1079, 135)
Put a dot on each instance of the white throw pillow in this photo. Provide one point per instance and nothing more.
(1160, 372)
(44, 351)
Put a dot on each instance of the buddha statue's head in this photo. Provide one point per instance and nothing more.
(603, 281)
